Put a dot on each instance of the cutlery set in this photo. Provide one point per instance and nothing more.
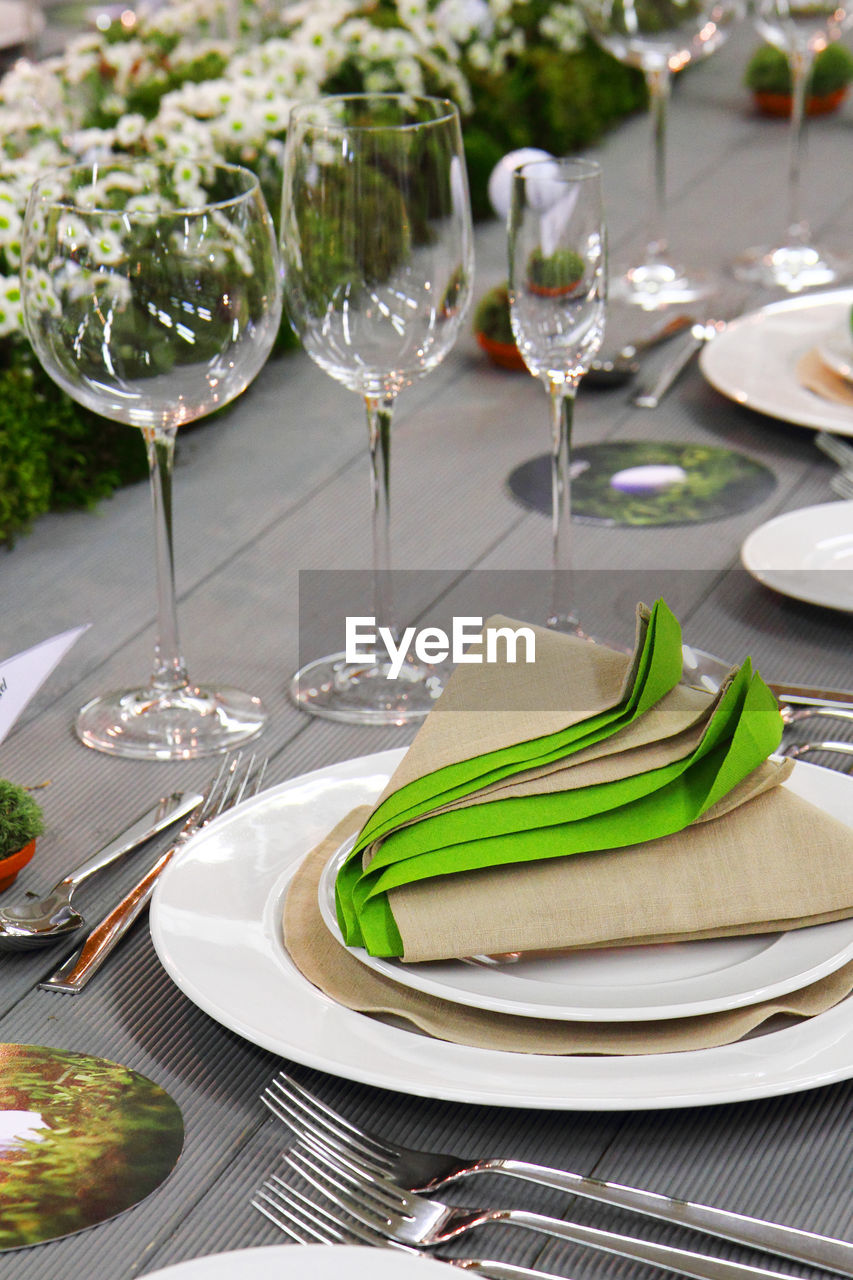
(363, 1189)
(41, 921)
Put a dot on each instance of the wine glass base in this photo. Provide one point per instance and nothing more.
(790, 267)
(148, 724)
(655, 285)
(365, 693)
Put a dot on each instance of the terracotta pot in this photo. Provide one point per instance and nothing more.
(779, 104)
(551, 290)
(504, 354)
(15, 862)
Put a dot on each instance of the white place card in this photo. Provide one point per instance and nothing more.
(22, 675)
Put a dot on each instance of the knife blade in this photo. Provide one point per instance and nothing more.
(809, 696)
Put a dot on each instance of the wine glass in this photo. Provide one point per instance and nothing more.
(378, 254)
(557, 292)
(152, 295)
(801, 30)
(659, 37)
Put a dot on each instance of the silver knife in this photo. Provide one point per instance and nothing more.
(808, 696)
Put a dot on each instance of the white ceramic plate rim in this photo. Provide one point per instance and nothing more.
(748, 969)
(753, 360)
(780, 554)
(311, 1262)
(215, 921)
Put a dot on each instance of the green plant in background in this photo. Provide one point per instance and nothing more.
(491, 315)
(768, 71)
(21, 818)
(555, 272)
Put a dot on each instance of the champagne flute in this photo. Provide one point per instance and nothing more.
(801, 29)
(152, 295)
(558, 289)
(659, 37)
(378, 253)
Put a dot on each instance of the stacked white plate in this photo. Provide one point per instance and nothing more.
(216, 924)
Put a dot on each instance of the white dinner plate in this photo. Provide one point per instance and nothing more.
(806, 554)
(836, 351)
(311, 1262)
(606, 984)
(754, 359)
(216, 925)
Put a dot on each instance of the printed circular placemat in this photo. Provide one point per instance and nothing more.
(643, 482)
(81, 1139)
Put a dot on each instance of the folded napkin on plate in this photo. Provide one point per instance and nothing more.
(813, 374)
(587, 750)
(327, 964)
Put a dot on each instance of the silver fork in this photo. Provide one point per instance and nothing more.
(313, 1120)
(798, 750)
(228, 787)
(416, 1220)
(307, 1222)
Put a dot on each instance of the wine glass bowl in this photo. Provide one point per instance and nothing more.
(377, 246)
(557, 291)
(152, 295)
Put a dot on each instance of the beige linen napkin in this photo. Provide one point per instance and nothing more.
(813, 374)
(330, 967)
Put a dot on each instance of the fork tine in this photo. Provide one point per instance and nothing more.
(346, 1192)
(384, 1193)
(365, 1169)
(325, 1223)
(305, 1121)
(308, 1105)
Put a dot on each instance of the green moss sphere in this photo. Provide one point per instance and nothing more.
(21, 818)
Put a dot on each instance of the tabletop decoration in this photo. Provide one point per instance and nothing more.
(493, 330)
(648, 482)
(81, 1140)
(21, 822)
(768, 75)
(522, 765)
(167, 84)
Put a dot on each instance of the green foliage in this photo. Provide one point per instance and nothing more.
(768, 71)
(559, 102)
(55, 455)
(491, 315)
(20, 818)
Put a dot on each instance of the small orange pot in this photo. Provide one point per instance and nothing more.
(504, 354)
(779, 104)
(552, 290)
(9, 867)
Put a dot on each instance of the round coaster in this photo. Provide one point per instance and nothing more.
(644, 482)
(81, 1139)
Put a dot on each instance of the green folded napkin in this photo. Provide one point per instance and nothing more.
(564, 766)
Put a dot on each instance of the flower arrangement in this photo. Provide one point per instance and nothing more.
(194, 80)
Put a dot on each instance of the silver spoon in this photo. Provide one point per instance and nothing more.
(41, 921)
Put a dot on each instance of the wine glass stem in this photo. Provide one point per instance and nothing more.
(801, 63)
(562, 397)
(379, 413)
(170, 672)
(658, 81)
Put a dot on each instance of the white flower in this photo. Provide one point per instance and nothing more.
(107, 247)
(11, 306)
(130, 129)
